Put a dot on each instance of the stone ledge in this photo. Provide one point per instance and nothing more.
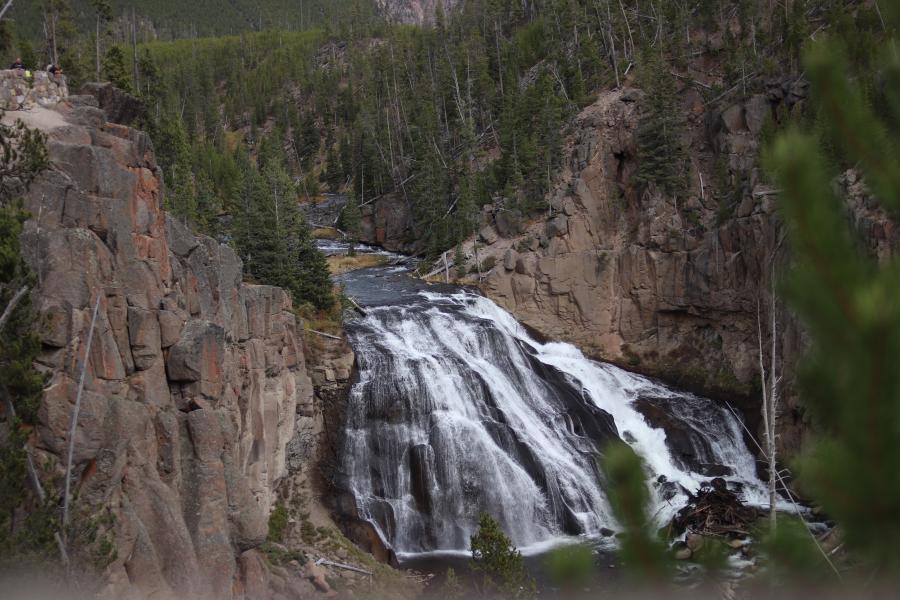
(17, 92)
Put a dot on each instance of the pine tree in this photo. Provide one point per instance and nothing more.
(22, 157)
(115, 70)
(350, 219)
(849, 303)
(495, 557)
(333, 175)
(661, 152)
(274, 240)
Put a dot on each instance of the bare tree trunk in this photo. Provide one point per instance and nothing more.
(137, 74)
(773, 416)
(53, 39)
(97, 47)
(5, 8)
(75, 411)
(13, 302)
(770, 403)
(33, 476)
(767, 425)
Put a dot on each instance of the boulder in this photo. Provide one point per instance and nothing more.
(509, 260)
(694, 542)
(254, 575)
(733, 119)
(170, 324)
(756, 110)
(119, 106)
(630, 95)
(557, 226)
(198, 354)
(144, 335)
(508, 223)
(488, 235)
(316, 575)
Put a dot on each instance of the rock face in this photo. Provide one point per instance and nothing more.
(193, 377)
(415, 12)
(669, 287)
(642, 280)
(387, 222)
(119, 106)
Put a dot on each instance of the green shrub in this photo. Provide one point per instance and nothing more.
(571, 566)
(278, 521)
(501, 565)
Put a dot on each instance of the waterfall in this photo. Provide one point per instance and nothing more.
(459, 410)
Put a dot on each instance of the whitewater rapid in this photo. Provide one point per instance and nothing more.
(459, 410)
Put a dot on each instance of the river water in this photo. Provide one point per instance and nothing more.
(458, 410)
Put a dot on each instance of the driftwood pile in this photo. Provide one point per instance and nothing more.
(715, 511)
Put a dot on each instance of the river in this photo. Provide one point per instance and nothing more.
(458, 409)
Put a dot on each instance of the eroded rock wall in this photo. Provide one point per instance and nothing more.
(666, 286)
(193, 377)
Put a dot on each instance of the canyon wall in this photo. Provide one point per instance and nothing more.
(196, 381)
(669, 286)
(666, 286)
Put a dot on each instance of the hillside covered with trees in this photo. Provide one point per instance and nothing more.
(257, 109)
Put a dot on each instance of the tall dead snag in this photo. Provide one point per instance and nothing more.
(74, 423)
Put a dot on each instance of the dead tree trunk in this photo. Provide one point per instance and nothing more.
(74, 424)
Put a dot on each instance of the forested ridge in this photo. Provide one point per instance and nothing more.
(170, 19)
(479, 110)
(473, 110)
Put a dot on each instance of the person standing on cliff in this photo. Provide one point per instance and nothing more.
(18, 64)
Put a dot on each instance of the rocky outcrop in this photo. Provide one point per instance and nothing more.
(414, 12)
(387, 222)
(119, 106)
(658, 284)
(193, 377)
(18, 91)
(666, 286)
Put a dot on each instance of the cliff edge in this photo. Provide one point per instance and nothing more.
(196, 381)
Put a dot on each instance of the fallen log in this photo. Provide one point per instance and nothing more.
(346, 567)
(323, 334)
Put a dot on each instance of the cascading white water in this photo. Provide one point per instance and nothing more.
(458, 410)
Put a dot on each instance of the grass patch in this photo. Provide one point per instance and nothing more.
(326, 233)
(281, 556)
(343, 264)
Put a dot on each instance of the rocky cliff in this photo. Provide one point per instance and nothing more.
(665, 286)
(196, 381)
(415, 12)
(670, 287)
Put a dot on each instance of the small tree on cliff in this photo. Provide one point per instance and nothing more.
(495, 557)
(661, 153)
(850, 379)
(22, 157)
